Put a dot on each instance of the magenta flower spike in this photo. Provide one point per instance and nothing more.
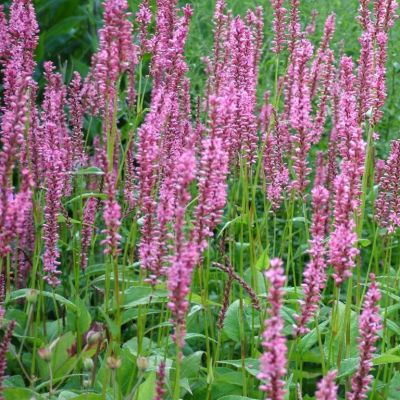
(185, 256)
(327, 388)
(315, 272)
(273, 361)
(369, 326)
(279, 25)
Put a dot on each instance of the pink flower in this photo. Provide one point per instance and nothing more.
(321, 56)
(279, 25)
(387, 205)
(300, 109)
(342, 249)
(185, 254)
(4, 346)
(369, 326)
(12, 140)
(76, 111)
(116, 51)
(315, 272)
(294, 26)
(365, 72)
(212, 175)
(275, 169)
(111, 213)
(327, 389)
(273, 361)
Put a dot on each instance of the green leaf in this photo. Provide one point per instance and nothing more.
(89, 396)
(263, 261)
(20, 394)
(81, 319)
(394, 387)
(348, 367)
(252, 365)
(89, 171)
(146, 390)
(364, 242)
(191, 365)
(66, 395)
(21, 293)
(236, 398)
(386, 359)
(232, 322)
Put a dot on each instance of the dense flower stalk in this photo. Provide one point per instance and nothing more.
(342, 244)
(22, 35)
(89, 218)
(54, 177)
(12, 139)
(273, 361)
(4, 346)
(115, 54)
(143, 18)
(294, 27)
(279, 25)
(57, 160)
(369, 326)
(4, 39)
(387, 205)
(244, 77)
(212, 176)
(380, 77)
(315, 272)
(76, 111)
(160, 390)
(365, 72)
(300, 113)
(327, 388)
(327, 76)
(364, 14)
(321, 57)
(185, 252)
(275, 169)
(111, 214)
(342, 250)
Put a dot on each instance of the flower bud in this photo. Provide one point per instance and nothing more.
(94, 338)
(113, 362)
(142, 363)
(32, 295)
(45, 354)
(87, 383)
(88, 364)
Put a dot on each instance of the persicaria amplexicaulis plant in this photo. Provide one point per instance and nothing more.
(199, 203)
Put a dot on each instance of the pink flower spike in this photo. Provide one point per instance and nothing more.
(369, 326)
(279, 25)
(273, 361)
(315, 272)
(327, 388)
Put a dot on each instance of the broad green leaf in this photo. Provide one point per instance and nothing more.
(191, 365)
(20, 394)
(251, 365)
(233, 323)
(89, 171)
(394, 387)
(146, 390)
(22, 293)
(348, 367)
(386, 359)
(89, 396)
(66, 395)
(263, 261)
